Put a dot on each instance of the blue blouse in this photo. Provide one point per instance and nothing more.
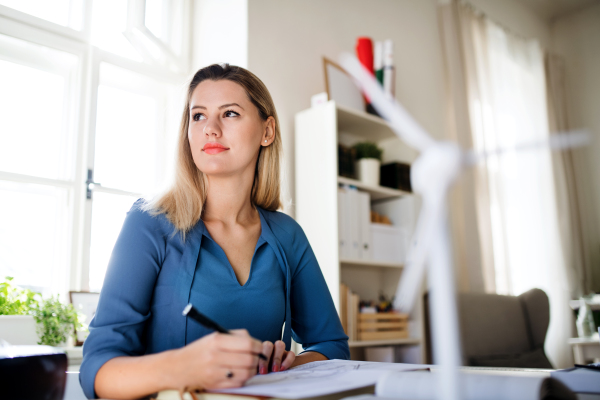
(153, 274)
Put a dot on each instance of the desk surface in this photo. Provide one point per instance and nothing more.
(74, 392)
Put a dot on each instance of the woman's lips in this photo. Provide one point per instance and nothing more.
(214, 148)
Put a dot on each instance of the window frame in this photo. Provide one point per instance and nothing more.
(83, 100)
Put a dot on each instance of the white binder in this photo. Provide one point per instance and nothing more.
(352, 218)
(343, 238)
(364, 224)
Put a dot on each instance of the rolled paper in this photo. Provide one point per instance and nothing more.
(388, 68)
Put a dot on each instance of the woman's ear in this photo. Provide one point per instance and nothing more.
(269, 132)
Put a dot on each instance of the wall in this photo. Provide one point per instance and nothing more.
(287, 40)
(576, 37)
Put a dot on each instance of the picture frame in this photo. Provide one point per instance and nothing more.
(85, 303)
(341, 88)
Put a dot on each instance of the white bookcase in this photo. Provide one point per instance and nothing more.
(318, 132)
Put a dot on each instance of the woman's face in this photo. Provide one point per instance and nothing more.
(225, 129)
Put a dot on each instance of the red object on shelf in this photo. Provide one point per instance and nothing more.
(364, 52)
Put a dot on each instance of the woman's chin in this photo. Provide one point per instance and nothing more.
(219, 172)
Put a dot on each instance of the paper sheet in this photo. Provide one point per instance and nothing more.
(319, 378)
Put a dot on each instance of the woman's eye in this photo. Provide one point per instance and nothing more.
(230, 113)
(198, 117)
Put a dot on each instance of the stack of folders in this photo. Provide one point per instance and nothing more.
(354, 219)
(349, 305)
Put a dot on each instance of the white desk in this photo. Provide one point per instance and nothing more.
(585, 349)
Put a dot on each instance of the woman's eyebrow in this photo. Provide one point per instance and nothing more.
(223, 106)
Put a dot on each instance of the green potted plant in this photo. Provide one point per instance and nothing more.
(26, 318)
(56, 322)
(369, 161)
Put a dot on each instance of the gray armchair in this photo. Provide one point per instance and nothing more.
(504, 331)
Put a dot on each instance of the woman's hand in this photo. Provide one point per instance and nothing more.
(278, 359)
(217, 361)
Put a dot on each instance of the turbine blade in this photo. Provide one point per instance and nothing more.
(409, 287)
(400, 120)
(559, 141)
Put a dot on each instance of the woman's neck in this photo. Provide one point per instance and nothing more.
(228, 201)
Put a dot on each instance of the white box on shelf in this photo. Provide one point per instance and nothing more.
(389, 243)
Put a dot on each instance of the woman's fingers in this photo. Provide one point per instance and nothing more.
(288, 360)
(278, 353)
(267, 350)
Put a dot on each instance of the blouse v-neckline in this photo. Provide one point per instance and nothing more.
(261, 240)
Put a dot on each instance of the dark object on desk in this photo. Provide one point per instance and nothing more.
(32, 372)
(503, 331)
(593, 367)
(396, 175)
(580, 380)
(346, 161)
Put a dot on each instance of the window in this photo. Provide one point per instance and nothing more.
(88, 89)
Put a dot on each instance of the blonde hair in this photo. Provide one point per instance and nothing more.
(183, 202)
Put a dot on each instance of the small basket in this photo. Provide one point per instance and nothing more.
(381, 326)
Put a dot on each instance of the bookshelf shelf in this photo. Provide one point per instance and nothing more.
(376, 192)
(387, 342)
(361, 124)
(369, 263)
(317, 210)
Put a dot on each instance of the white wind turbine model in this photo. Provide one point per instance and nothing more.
(432, 174)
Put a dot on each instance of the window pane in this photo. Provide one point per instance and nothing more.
(108, 214)
(62, 12)
(109, 21)
(128, 129)
(34, 236)
(34, 125)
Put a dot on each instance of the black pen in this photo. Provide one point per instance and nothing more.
(190, 311)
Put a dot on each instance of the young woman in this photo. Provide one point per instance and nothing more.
(214, 240)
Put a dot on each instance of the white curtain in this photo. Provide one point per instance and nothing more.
(505, 96)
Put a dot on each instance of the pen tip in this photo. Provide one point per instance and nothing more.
(187, 309)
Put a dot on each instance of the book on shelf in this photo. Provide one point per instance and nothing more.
(344, 307)
(355, 310)
(349, 303)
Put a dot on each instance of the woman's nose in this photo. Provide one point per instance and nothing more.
(212, 129)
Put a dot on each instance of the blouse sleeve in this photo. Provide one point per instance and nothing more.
(124, 305)
(315, 322)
